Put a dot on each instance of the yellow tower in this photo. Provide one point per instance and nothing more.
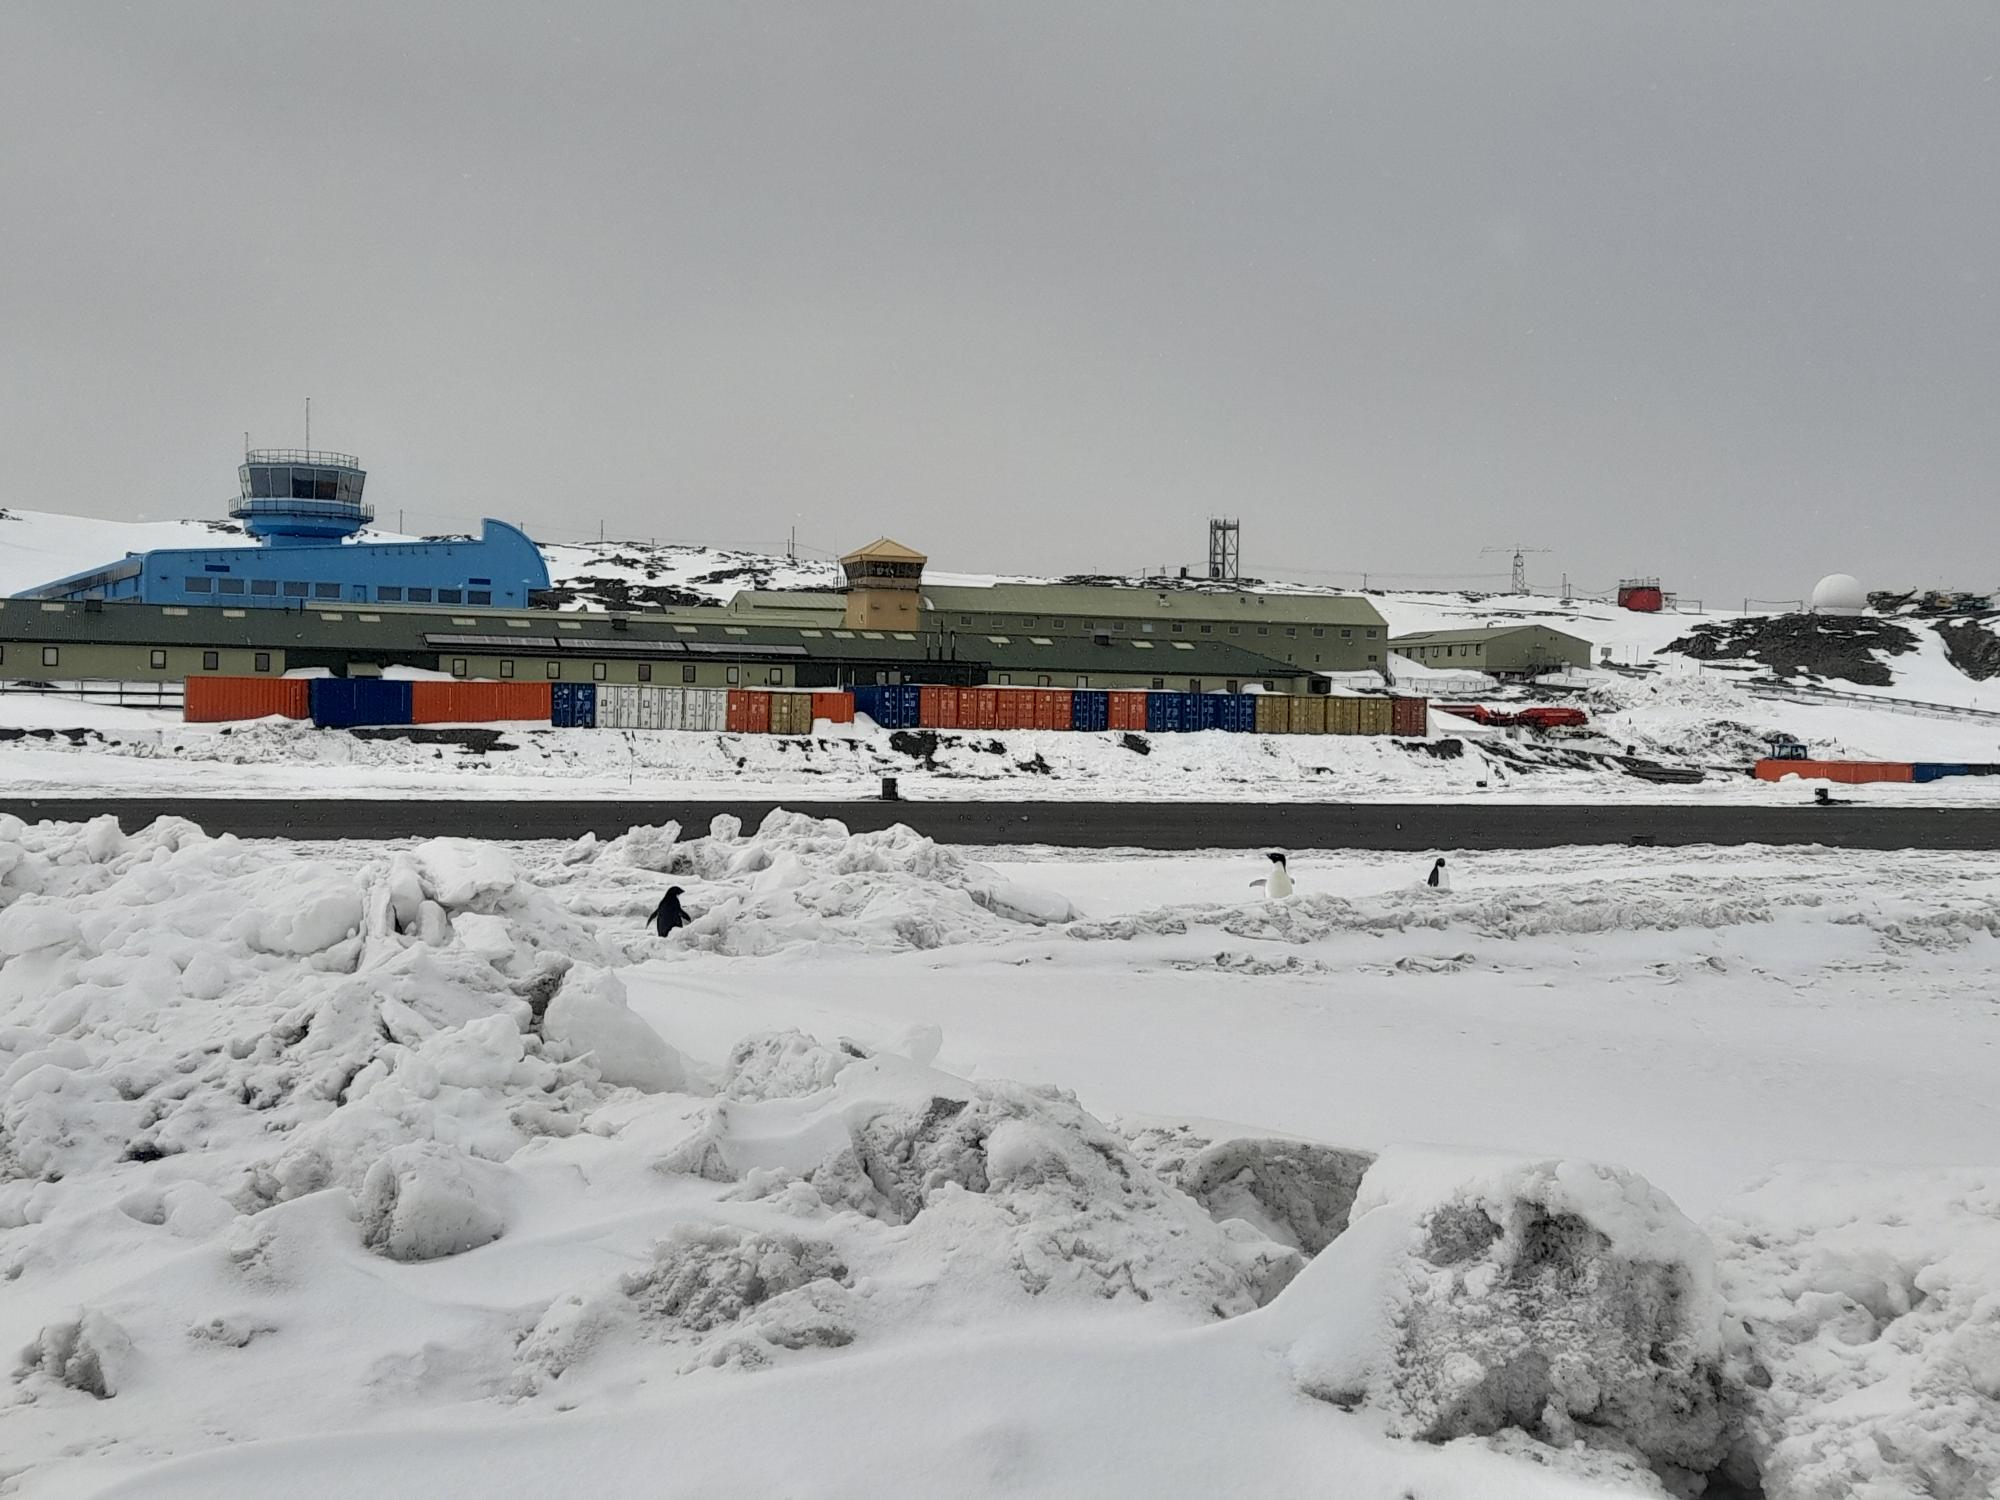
(883, 583)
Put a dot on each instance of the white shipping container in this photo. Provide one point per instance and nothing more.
(617, 706)
(654, 711)
(707, 709)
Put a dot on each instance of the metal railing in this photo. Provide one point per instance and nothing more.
(332, 510)
(309, 457)
(1798, 694)
(123, 694)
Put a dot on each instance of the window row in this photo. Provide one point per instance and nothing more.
(1178, 627)
(358, 593)
(553, 670)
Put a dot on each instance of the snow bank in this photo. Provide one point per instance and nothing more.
(1566, 1301)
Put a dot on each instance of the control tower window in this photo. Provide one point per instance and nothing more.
(230, 585)
(200, 585)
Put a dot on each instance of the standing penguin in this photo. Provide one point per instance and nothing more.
(1279, 882)
(668, 914)
(1439, 881)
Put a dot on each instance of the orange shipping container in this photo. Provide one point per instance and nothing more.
(479, 702)
(749, 713)
(1128, 711)
(1053, 709)
(979, 708)
(218, 700)
(937, 707)
(1848, 772)
(1015, 709)
(835, 708)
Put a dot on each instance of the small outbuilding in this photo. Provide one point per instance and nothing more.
(1498, 651)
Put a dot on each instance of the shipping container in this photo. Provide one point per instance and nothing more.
(1410, 716)
(1054, 708)
(705, 709)
(1206, 711)
(835, 708)
(345, 702)
(219, 700)
(892, 706)
(617, 706)
(1239, 713)
(1309, 715)
(573, 705)
(1170, 713)
(1848, 772)
(1090, 710)
(1272, 714)
(749, 712)
(1127, 711)
(1343, 716)
(1377, 717)
(479, 702)
(1935, 771)
(791, 713)
(1014, 708)
(937, 707)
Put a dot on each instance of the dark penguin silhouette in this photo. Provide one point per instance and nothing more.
(1438, 881)
(668, 914)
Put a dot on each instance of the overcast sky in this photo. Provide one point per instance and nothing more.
(1698, 289)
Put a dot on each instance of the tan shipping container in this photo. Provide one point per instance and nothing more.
(1377, 716)
(1343, 716)
(1273, 713)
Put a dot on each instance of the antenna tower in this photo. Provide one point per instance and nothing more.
(1225, 550)
(1520, 551)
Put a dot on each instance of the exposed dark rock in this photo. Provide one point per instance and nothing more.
(1836, 646)
(1971, 647)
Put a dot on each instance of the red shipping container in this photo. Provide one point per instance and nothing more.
(479, 702)
(1848, 772)
(979, 708)
(749, 713)
(1409, 716)
(1053, 709)
(1014, 710)
(1128, 711)
(219, 700)
(937, 707)
(835, 708)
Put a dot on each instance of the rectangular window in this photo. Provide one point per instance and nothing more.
(507, 668)
(965, 619)
(687, 674)
(1292, 630)
(1234, 686)
(1208, 630)
(1005, 679)
(200, 585)
(1042, 681)
(554, 670)
(326, 591)
(1236, 630)
(777, 676)
(1056, 623)
(1083, 682)
(1159, 682)
(262, 662)
(159, 662)
(1345, 635)
(211, 661)
(389, 594)
(479, 596)
(1179, 628)
(645, 671)
(451, 596)
(420, 596)
(733, 676)
(1263, 630)
(1321, 630)
(597, 671)
(265, 586)
(1371, 636)
(229, 585)
(295, 591)
(51, 656)
(458, 666)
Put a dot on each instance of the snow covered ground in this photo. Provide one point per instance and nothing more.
(426, 1170)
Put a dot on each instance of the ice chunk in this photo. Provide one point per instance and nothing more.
(589, 1017)
(87, 1352)
(421, 1201)
(459, 872)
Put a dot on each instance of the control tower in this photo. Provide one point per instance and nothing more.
(296, 497)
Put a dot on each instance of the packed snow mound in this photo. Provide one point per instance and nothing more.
(1000, 1183)
(1566, 1301)
(1299, 1193)
(1874, 1300)
(804, 880)
(590, 1018)
(422, 1200)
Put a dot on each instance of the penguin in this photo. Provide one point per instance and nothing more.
(1439, 881)
(1279, 882)
(668, 914)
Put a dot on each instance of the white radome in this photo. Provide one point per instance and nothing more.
(1838, 594)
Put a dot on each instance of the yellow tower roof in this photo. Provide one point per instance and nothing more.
(882, 549)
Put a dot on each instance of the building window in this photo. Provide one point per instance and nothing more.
(265, 586)
(295, 591)
(1270, 686)
(645, 671)
(458, 666)
(1042, 681)
(554, 670)
(777, 676)
(1371, 656)
(1179, 629)
(1056, 623)
(732, 676)
(1083, 682)
(1146, 627)
(1236, 630)
(1319, 630)
(1208, 630)
(420, 596)
(326, 591)
(965, 619)
(687, 673)
(159, 661)
(1347, 635)
(200, 585)
(597, 671)
(1292, 630)
(229, 585)
(1005, 679)
(479, 596)
(389, 594)
(507, 668)
(1263, 630)
(1117, 624)
(1159, 682)
(211, 661)
(451, 596)
(1233, 685)
(51, 656)
(1371, 636)
(261, 662)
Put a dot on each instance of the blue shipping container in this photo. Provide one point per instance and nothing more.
(1239, 713)
(1207, 711)
(891, 705)
(1090, 710)
(573, 705)
(1932, 771)
(343, 702)
(1171, 713)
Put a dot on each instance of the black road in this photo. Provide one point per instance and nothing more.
(1144, 825)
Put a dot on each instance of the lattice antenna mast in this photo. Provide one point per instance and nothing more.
(1225, 550)
(1520, 551)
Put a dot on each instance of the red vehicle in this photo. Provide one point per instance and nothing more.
(1552, 718)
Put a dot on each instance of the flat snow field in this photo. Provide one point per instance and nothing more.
(426, 1170)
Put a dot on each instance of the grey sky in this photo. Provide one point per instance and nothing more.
(1699, 289)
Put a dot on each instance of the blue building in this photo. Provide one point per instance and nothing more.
(303, 508)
